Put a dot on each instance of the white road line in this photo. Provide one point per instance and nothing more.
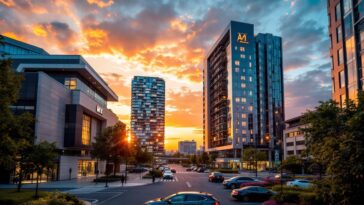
(110, 198)
(188, 184)
(176, 178)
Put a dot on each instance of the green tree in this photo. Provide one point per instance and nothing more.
(142, 156)
(335, 139)
(111, 145)
(42, 156)
(292, 164)
(203, 158)
(193, 159)
(16, 133)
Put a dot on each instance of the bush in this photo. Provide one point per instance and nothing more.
(286, 188)
(157, 173)
(110, 178)
(12, 197)
(56, 199)
(224, 170)
(310, 199)
(287, 197)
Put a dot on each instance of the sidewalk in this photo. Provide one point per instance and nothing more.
(83, 185)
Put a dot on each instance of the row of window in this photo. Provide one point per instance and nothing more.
(290, 144)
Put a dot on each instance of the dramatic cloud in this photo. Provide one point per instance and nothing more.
(169, 39)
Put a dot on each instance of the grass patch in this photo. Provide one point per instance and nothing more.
(12, 197)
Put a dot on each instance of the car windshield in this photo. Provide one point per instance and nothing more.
(168, 197)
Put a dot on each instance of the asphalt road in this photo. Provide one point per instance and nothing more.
(183, 181)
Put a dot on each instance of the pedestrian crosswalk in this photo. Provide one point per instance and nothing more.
(169, 180)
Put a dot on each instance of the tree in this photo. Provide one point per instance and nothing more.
(292, 164)
(111, 145)
(335, 139)
(142, 156)
(203, 158)
(193, 159)
(42, 156)
(16, 133)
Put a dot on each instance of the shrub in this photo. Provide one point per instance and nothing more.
(310, 199)
(110, 178)
(56, 199)
(286, 188)
(224, 170)
(287, 197)
(157, 173)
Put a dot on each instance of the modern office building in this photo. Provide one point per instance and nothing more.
(346, 29)
(68, 100)
(243, 93)
(187, 147)
(147, 113)
(294, 139)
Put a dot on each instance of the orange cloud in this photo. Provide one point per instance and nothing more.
(7, 3)
(101, 3)
(13, 35)
(96, 39)
(39, 30)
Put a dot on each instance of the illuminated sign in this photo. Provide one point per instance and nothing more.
(99, 109)
(242, 38)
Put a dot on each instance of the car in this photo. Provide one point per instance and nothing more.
(167, 175)
(236, 181)
(256, 183)
(277, 179)
(138, 170)
(201, 170)
(216, 177)
(190, 197)
(189, 169)
(173, 171)
(252, 193)
(300, 183)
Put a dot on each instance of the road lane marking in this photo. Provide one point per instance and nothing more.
(117, 195)
(176, 178)
(188, 184)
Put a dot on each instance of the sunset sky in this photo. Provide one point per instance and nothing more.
(168, 39)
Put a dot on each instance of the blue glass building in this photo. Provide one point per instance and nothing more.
(147, 113)
(238, 92)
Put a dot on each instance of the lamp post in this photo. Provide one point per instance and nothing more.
(107, 172)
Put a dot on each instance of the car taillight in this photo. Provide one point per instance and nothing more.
(217, 203)
(235, 192)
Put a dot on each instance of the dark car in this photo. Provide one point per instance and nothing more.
(173, 171)
(252, 193)
(235, 182)
(189, 169)
(277, 179)
(181, 198)
(138, 170)
(201, 170)
(216, 177)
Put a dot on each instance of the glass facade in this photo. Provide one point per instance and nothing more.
(148, 113)
(86, 130)
(243, 91)
(270, 88)
(350, 79)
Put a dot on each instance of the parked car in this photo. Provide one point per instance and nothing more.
(189, 169)
(256, 183)
(252, 193)
(216, 177)
(301, 183)
(201, 170)
(173, 171)
(138, 170)
(167, 175)
(235, 182)
(277, 179)
(201, 198)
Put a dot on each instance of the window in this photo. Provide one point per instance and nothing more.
(243, 124)
(243, 115)
(71, 83)
(338, 34)
(250, 79)
(289, 144)
(300, 142)
(237, 69)
(243, 85)
(178, 198)
(243, 99)
(333, 84)
(194, 197)
(237, 99)
(342, 79)
(350, 49)
(337, 12)
(352, 73)
(86, 130)
(242, 49)
(237, 63)
(348, 26)
(290, 152)
(342, 101)
(340, 57)
(347, 6)
(242, 56)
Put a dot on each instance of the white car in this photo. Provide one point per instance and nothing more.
(167, 175)
(301, 183)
